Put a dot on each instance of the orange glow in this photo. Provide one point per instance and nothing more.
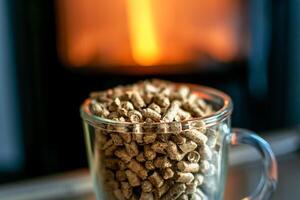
(111, 34)
(144, 45)
(220, 43)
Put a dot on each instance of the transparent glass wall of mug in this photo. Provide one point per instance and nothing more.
(175, 160)
(158, 161)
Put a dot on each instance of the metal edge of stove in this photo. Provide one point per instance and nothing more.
(74, 184)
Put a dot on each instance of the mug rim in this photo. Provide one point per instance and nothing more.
(211, 119)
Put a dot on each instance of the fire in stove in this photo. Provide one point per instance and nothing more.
(112, 34)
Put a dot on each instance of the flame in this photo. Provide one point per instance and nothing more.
(145, 50)
(119, 36)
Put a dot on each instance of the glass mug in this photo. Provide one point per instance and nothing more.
(198, 174)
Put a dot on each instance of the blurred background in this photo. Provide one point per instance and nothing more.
(53, 53)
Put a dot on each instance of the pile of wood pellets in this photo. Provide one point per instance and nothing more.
(148, 163)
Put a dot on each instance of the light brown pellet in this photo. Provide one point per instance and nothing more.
(117, 91)
(126, 189)
(155, 107)
(156, 180)
(188, 147)
(149, 153)
(126, 137)
(147, 196)
(163, 110)
(133, 178)
(137, 134)
(174, 192)
(126, 96)
(164, 137)
(152, 114)
(150, 88)
(193, 109)
(149, 164)
(183, 197)
(183, 115)
(173, 152)
(162, 162)
(110, 150)
(138, 137)
(205, 166)
(212, 138)
(209, 110)
(196, 136)
(166, 91)
(135, 116)
(127, 105)
(175, 128)
(172, 111)
(161, 100)
(168, 173)
(148, 97)
(138, 169)
(162, 190)
(199, 125)
(96, 109)
(192, 98)
(177, 118)
(123, 155)
(162, 128)
(113, 115)
(206, 153)
(184, 166)
(122, 112)
(149, 120)
(132, 149)
(183, 92)
(147, 186)
(199, 178)
(178, 139)
(149, 138)
(159, 147)
(134, 119)
(198, 195)
(184, 177)
(140, 157)
(201, 103)
(122, 119)
(193, 157)
(117, 139)
(115, 104)
(137, 100)
(191, 187)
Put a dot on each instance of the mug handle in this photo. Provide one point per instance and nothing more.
(268, 180)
